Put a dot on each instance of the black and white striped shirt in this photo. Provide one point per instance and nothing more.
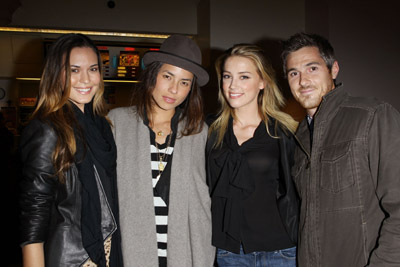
(160, 205)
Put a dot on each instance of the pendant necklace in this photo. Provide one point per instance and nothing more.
(164, 157)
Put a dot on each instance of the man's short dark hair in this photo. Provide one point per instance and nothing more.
(301, 40)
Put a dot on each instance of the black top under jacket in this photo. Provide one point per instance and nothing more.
(246, 183)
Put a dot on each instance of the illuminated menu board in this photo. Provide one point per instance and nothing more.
(128, 66)
(122, 62)
(105, 58)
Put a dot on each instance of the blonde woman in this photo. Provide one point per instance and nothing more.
(249, 155)
(69, 204)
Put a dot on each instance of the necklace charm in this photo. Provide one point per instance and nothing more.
(162, 158)
(160, 166)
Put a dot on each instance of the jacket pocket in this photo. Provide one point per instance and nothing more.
(337, 168)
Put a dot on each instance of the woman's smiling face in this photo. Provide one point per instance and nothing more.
(85, 76)
(241, 82)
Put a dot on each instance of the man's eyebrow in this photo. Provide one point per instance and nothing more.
(307, 65)
(313, 63)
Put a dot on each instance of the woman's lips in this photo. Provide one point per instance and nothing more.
(234, 95)
(84, 91)
(169, 100)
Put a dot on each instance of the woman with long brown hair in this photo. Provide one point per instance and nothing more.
(164, 200)
(249, 156)
(69, 204)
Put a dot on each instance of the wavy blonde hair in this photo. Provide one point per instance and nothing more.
(270, 100)
(53, 106)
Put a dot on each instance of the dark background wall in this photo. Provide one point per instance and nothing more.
(366, 38)
(365, 33)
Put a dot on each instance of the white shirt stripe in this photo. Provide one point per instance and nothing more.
(162, 253)
(159, 202)
(161, 220)
(162, 238)
(154, 150)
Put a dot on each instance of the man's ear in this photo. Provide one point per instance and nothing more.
(335, 70)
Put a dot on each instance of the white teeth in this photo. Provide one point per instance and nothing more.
(235, 94)
(83, 90)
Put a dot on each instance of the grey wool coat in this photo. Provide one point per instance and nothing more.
(189, 218)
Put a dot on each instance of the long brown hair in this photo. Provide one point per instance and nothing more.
(192, 114)
(270, 100)
(53, 106)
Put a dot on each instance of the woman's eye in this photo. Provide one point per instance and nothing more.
(74, 70)
(95, 69)
(165, 76)
(244, 77)
(226, 76)
(313, 68)
(292, 74)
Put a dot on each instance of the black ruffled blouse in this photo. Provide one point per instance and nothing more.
(244, 182)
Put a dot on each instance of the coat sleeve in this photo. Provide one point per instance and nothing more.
(384, 155)
(200, 210)
(38, 182)
(287, 197)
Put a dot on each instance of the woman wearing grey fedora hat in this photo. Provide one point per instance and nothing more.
(164, 201)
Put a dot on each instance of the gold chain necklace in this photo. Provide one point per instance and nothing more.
(161, 165)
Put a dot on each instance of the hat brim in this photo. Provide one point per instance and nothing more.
(197, 70)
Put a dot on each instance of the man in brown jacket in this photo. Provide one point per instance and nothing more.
(347, 165)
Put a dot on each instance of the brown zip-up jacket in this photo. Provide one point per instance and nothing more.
(349, 184)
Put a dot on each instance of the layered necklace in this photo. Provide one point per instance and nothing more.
(163, 158)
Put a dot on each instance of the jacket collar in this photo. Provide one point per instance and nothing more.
(303, 137)
(330, 103)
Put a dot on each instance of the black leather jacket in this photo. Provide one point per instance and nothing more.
(50, 210)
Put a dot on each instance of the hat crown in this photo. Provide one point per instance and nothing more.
(183, 47)
(182, 52)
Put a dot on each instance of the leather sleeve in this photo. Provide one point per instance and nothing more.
(384, 154)
(38, 183)
(287, 197)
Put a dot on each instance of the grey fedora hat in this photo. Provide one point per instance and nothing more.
(180, 51)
